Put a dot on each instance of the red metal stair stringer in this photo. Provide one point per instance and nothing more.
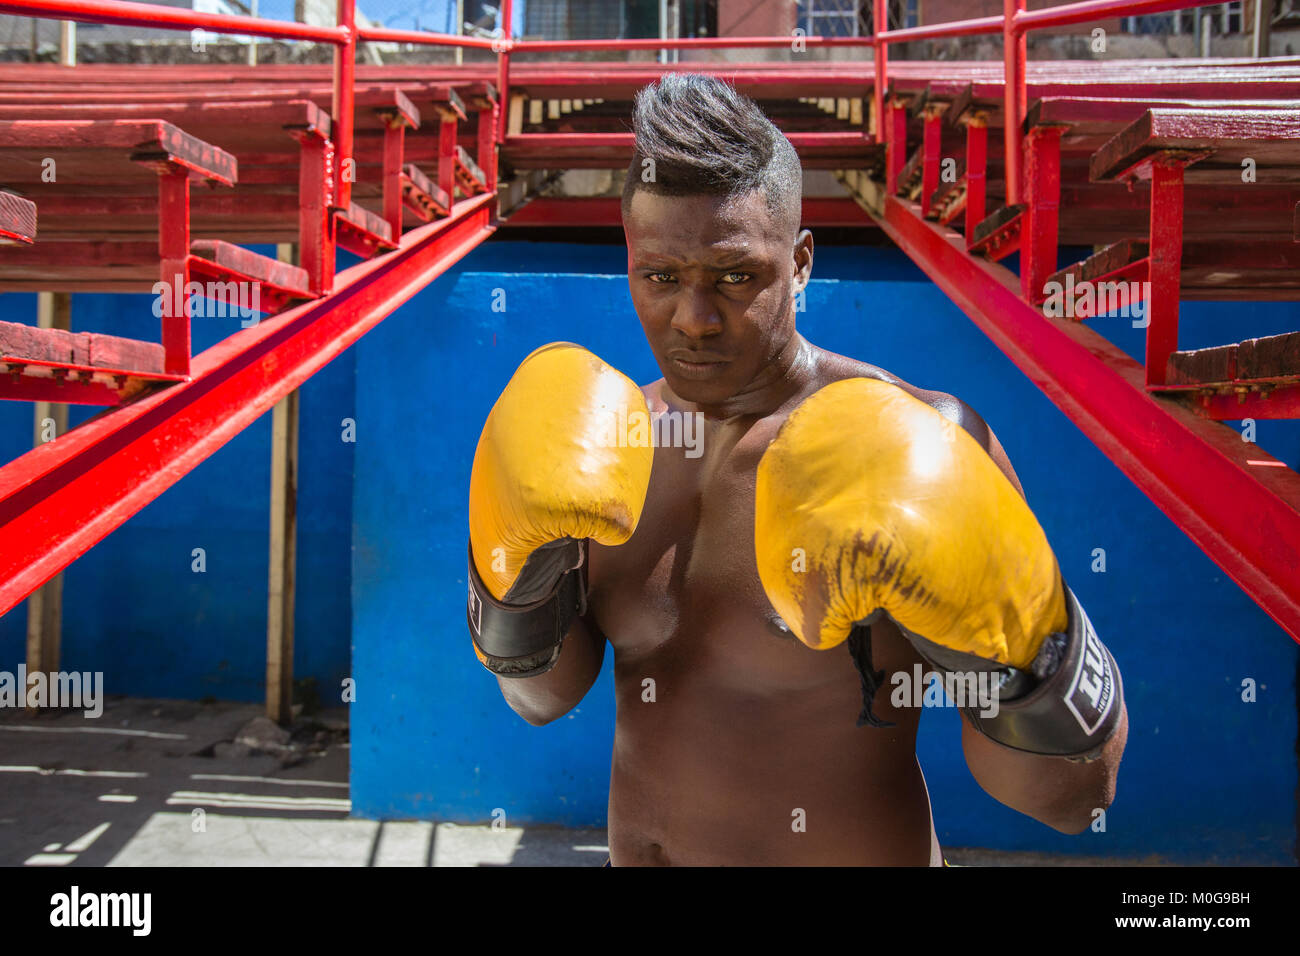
(63, 497)
(1230, 497)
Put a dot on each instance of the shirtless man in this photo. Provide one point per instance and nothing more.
(737, 742)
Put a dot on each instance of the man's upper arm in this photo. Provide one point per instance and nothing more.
(956, 410)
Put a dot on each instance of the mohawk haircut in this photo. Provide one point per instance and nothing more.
(704, 138)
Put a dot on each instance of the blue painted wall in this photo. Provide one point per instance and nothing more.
(132, 606)
(382, 562)
(1205, 774)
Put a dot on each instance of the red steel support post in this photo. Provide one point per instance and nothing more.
(447, 156)
(503, 71)
(345, 68)
(174, 251)
(880, 21)
(1013, 63)
(895, 145)
(487, 143)
(315, 197)
(1166, 261)
(977, 157)
(394, 140)
(930, 159)
(1042, 213)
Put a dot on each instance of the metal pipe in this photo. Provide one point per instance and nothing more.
(1086, 11)
(935, 31)
(663, 30)
(68, 43)
(131, 14)
(459, 31)
(503, 68)
(252, 47)
(386, 35)
(880, 24)
(684, 43)
(1013, 93)
(345, 68)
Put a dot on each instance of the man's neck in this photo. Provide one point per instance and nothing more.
(784, 376)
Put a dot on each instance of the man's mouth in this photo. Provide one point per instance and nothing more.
(696, 364)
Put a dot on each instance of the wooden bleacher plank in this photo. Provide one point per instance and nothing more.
(999, 231)
(1202, 366)
(909, 177)
(17, 219)
(469, 176)
(255, 266)
(1244, 270)
(51, 265)
(1104, 262)
(613, 150)
(1093, 117)
(146, 142)
(423, 195)
(1269, 137)
(362, 232)
(1272, 359)
(365, 219)
(83, 350)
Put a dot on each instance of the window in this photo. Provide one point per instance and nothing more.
(835, 18)
(1232, 17)
(1224, 18)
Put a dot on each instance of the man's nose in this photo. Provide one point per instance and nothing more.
(695, 315)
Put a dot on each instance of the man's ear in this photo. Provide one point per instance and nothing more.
(803, 260)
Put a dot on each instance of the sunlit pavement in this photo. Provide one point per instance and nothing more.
(164, 783)
(167, 783)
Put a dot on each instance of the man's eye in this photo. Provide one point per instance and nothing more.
(659, 277)
(735, 278)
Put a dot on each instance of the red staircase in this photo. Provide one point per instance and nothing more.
(1184, 175)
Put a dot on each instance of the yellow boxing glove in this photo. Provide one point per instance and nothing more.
(550, 471)
(871, 502)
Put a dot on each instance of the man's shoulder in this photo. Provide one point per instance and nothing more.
(654, 398)
(833, 368)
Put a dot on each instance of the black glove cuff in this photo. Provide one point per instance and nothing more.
(524, 640)
(1074, 710)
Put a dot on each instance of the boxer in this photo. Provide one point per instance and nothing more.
(839, 528)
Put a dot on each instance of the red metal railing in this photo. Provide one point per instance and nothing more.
(1244, 517)
(1014, 24)
(125, 13)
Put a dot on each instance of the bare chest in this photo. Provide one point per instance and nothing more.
(684, 592)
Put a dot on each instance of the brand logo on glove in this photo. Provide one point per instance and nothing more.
(1092, 691)
(475, 609)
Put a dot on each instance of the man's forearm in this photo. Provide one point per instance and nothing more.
(1061, 793)
(550, 695)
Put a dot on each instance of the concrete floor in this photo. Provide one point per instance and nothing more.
(169, 783)
(162, 783)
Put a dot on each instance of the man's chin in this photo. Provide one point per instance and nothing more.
(699, 392)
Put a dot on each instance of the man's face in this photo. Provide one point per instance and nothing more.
(713, 281)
